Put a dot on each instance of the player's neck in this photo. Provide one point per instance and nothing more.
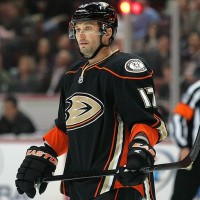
(103, 53)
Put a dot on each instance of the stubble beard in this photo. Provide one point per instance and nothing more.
(89, 51)
(86, 53)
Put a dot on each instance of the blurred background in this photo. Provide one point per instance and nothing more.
(35, 52)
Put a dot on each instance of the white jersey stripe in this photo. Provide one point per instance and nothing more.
(196, 124)
(179, 130)
(188, 94)
(147, 189)
(118, 150)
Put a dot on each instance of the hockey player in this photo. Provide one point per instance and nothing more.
(185, 124)
(107, 118)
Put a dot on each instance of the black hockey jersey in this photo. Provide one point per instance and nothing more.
(101, 107)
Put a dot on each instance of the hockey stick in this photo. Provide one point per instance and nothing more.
(186, 162)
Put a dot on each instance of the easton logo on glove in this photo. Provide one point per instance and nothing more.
(43, 155)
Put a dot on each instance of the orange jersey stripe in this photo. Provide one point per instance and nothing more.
(119, 76)
(58, 140)
(184, 110)
(151, 192)
(116, 194)
(75, 71)
(158, 120)
(151, 133)
(71, 72)
(115, 74)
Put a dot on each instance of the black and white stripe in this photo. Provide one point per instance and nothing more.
(184, 132)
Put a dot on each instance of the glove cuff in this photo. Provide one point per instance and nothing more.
(142, 144)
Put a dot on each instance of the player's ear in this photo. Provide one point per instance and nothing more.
(109, 32)
(107, 36)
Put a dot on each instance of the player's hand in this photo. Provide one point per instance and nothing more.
(39, 162)
(140, 154)
(184, 152)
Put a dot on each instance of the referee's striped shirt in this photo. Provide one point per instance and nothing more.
(185, 120)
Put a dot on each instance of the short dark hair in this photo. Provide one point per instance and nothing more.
(12, 99)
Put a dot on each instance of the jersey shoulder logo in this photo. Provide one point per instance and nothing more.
(135, 66)
(82, 109)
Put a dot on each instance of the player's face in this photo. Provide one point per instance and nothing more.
(88, 37)
(10, 110)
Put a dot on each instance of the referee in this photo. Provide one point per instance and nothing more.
(184, 127)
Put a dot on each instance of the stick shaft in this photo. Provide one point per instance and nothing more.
(186, 162)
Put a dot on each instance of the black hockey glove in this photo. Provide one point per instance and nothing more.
(140, 154)
(39, 162)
